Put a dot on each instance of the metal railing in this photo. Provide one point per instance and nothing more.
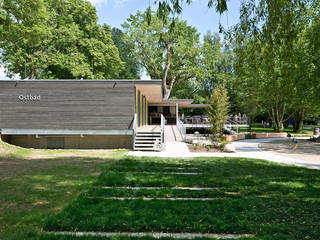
(182, 129)
(231, 121)
(134, 128)
(163, 123)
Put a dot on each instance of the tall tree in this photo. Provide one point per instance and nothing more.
(24, 36)
(56, 39)
(217, 62)
(175, 7)
(268, 65)
(127, 54)
(166, 54)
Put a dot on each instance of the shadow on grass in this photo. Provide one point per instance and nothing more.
(275, 201)
(32, 189)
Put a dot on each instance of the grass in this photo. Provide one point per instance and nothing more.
(31, 189)
(258, 128)
(273, 201)
(269, 200)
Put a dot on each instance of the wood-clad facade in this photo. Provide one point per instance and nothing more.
(71, 105)
(60, 109)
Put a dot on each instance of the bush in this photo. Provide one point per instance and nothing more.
(218, 110)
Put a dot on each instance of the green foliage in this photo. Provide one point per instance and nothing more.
(208, 147)
(218, 110)
(174, 7)
(274, 67)
(169, 55)
(222, 144)
(196, 146)
(56, 39)
(127, 54)
(217, 61)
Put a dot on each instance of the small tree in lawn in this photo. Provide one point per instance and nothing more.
(218, 110)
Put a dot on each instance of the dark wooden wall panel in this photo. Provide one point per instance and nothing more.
(70, 105)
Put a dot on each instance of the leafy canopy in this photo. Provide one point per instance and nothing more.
(169, 55)
(56, 39)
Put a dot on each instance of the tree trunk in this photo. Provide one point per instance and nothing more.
(297, 120)
(32, 74)
(276, 114)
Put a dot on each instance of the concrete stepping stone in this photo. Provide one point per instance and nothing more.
(168, 173)
(156, 235)
(159, 198)
(157, 188)
(181, 168)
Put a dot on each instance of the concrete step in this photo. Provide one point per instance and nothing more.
(146, 140)
(147, 149)
(148, 135)
(148, 132)
(144, 145)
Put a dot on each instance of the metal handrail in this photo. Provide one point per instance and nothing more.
(163, 123)
(182, 129)
(134, 128)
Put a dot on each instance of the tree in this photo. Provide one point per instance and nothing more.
(169, 55)
(24, 36)
(218, 110)
(272, 65)
(127, 54)
(56, 39)
(217, 63)
(174, 7)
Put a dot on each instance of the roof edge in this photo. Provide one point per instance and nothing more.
(86, 80)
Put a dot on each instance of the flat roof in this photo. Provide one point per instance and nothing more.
(173, 102)
(136, 81)
(197, 106)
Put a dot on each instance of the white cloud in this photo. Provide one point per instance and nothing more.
(114, 3)
(3, 75)
(120, 3)
(95, 2)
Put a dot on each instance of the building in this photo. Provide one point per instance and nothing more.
(86, 114)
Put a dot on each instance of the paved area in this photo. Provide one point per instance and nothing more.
(248, 148)
(172, 134)
(306, 150)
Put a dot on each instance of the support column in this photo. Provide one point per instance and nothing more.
(177, 113)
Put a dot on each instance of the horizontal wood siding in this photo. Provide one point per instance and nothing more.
(73, 105)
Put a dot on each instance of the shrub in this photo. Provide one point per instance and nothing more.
(218, 110)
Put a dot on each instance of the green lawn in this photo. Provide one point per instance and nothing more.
(258, 128)
(33, 188)
(268, 200)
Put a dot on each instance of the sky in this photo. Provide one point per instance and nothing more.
(115, 12)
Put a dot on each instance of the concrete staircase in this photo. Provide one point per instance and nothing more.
(148, 141)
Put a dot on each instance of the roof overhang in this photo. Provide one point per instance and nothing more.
(174, 102)
(151, 89)
(197, 106)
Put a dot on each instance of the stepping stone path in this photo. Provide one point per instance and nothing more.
(157, 188)
(160, 198)
(166, 173)
(160, 234)
(157, 235)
